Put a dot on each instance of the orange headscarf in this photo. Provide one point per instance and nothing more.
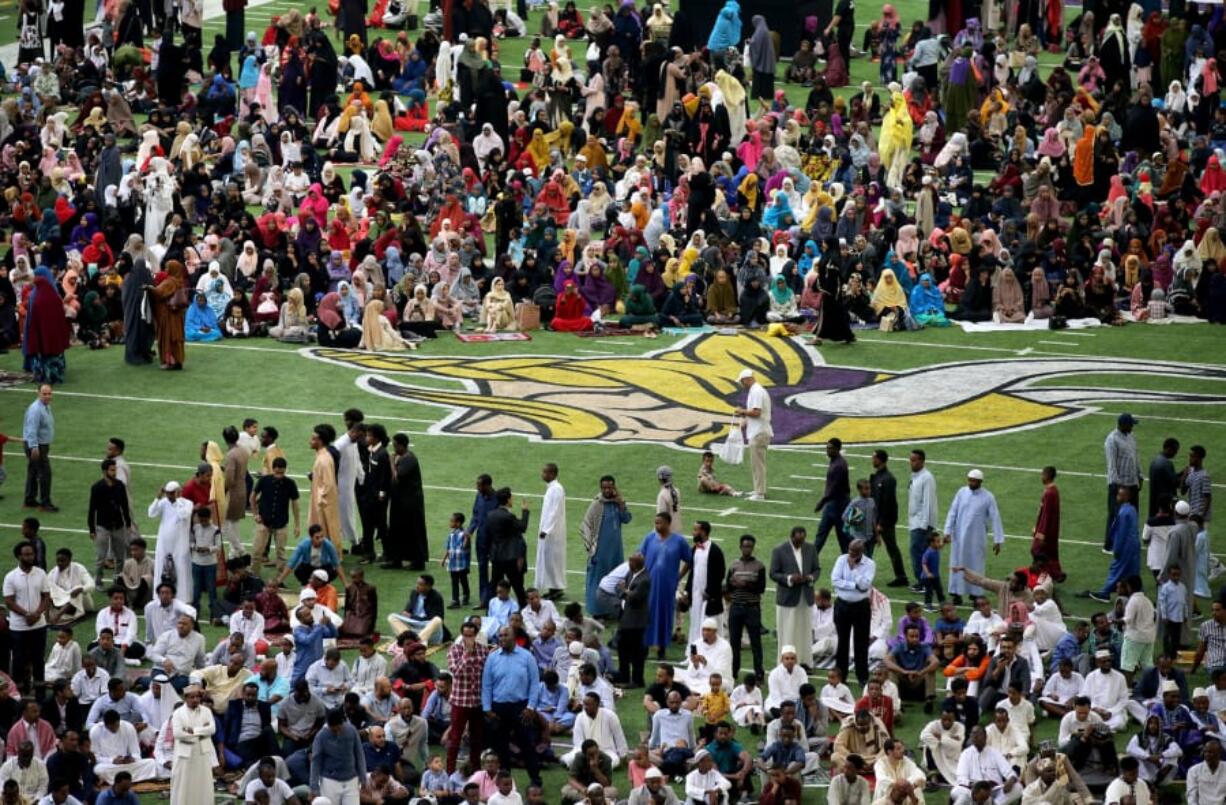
(1083, 156)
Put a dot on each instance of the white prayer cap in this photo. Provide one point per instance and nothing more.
(322, 575)
(710, 623)
(308, 594)
(746, 374)
(653, 774)
(1182, 508)
(171, 486)
(1196, 694)
(1170, 686)
(700, 754)
(214, 267)
(575, 648)
(787, 650)
(1102, 654)
(975, 474)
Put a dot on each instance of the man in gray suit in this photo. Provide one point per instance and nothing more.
(793, 569)
(632, 628)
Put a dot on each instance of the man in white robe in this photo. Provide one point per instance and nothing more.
(174, 514)
(893, 766)
(825, 637)
(973, 511)
(708, 562)
(72, 589)
(191, 775)
(880, 626)
(601, 725)
(712, 655)
(349, 474)
(942, 741)
(981, 762)
(1108, 692)
(117, 748)
(551, 538)
(1207, 780)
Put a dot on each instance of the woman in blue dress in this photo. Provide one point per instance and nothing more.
(667, 554)
(200, 324)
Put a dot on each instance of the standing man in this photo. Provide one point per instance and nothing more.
(1126, 545)
(1046, 538)
(852, 580)
(338, 762)
(758, 432)
(551, 537)
(835, 497)
(27, 595)
(466, 662)
(667, 557)
(705, 583)
(235, 13)
(966, 526)
(270, 451)
(483, 503)
(505, 535)
(885, 496)
(1163, 477)
(349, 474)
(110, 519)
(191, 775)
(1198, 486)
(601, 531)
(38, 431)
(235, 473)
(1123, 469)
(273, 498)
(634, 593)
(123, 473)
(921, 513)
(408, 511)
(375, 492)
(324, 511)
(508, 682)
(793, 569)
(744, 587)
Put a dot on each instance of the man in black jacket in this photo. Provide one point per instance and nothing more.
(62, 710)
(245, 740)
(885, 496)
(508, 551)
(707, 602)
(632, 628)
(109, 519)
(373, 494)
(423, 612)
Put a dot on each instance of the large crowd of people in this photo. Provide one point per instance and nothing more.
(366, 179)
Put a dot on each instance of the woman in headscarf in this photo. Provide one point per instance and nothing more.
(927, 304)
(378, 334)
(754, 302)
(571, 313)
(336, 328)
(200, 325)
(293, 325)
(1008, 300)
(721, 305)
(498, 309)
(137, 314)
(640, 308)
(598, 292)
(894, 144)
(1040, 295)
(762, 59)
(783, 305)
(169, 298)
(418, 316)
(889, 299)
(465, 291)
(46, 333)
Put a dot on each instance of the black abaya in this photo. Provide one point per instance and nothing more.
(836, 325)
(137, 331)
(407, 526)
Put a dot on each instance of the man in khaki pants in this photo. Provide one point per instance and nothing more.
(758, 433)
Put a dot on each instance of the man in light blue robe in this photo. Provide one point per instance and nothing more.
(966, 525)
(667, 556)
(602, 537)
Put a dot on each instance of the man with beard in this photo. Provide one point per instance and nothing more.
(408, 511)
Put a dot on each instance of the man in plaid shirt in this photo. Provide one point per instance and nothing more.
(466, 662)
(1197, 484)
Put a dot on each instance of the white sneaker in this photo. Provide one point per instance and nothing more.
(755, 496)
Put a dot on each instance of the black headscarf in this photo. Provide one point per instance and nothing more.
(138, 333)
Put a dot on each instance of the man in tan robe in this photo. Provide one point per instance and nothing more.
(234, 471)
(325, 502)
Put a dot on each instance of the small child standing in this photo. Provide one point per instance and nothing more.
(708, 484)
(1200, 588)
(205, 544)
(1172, 610)
(860, 517)
(930, 568)
(457, 560)
(715, 706)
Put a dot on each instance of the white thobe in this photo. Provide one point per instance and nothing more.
(887, 773)
(838, 700)
(970, 515)
(1108, 691)
(551, 542)
(880, 626)
(988, 629)
(698, 784)
(1062, 691)
(175, 518)
(109, 745)
(1149, 769)
(349, 473)
(191, 776)
(990, 765)
(535, 619)
(63, 662)
(1009, 742)
(945, 746)
(160, 619)
(605, 729)
(252, 629)
(784, 686)
(1156, 537)
(698, 600)
(1139, 791)
(1048, 625)
(366, 670)
(63, 582)
(1206, 786)
(718, 656)
(825, 637)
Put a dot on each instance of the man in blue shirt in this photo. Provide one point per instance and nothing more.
(1125, 546)
(314, 552)
(852, 580)
(914, 667)
(483, 504)
(551, 702)
(37, 431)
(120, 792)
(508, 683)
(309, 642)
(338, 764)
(1071, 646)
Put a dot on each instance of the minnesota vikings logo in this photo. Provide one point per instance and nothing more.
(684, 395)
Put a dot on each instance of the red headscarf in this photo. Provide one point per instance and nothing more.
(46, 327)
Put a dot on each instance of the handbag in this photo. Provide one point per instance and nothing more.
(528, 316)
(170, 575)
(178, 301)
(732, 451)
(887, 323)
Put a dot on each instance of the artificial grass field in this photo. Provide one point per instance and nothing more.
(165, 416)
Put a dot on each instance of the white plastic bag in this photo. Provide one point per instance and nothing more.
(732, 451)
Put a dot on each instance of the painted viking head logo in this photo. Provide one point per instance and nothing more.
(684, 395)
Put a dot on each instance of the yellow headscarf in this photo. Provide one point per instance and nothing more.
(896, 130)
(594, 153)
(381, 126)
(816, 198)
(672, 272)
(749, 188)
(630, 125)
(213, 455)
(690, 104)
(561, 138)
(888, 292)
(734, 91)
(538, 149)
(687, 262)
(985, 110)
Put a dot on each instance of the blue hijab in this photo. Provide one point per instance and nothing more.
(200, 316)
(249, 75)
(927, 300)
(808, 257)
(773, 217)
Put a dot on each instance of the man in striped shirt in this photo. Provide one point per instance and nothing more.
(1197, 484)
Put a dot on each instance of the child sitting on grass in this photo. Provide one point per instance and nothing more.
(708, 484)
